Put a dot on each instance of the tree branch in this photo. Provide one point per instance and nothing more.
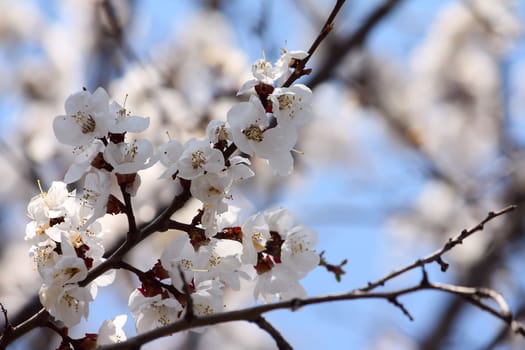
(254, 313)
(37, 320)
(339, 52)
(437, 255)
(282, 344)
(132, 225)
(325, 30)
(156, 225)
(470, 294)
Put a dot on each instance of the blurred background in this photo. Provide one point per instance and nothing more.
(419, 131)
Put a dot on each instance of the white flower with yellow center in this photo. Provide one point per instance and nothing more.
(87, 117)
(153, 312)
(198, 158)
(292, 105)
(129, 157)
(111, 332)
(251, 134)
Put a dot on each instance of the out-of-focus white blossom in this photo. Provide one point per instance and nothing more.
(217, 130)
(111, 332)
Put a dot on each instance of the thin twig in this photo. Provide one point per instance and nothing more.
(402, 307)
(282, 344)
(7, 326)
(132, 224)
(66, 339)
(37, 320)
(353, 42)
(504, 332)
(437, 255)
(176, 225)
(325, 30)
(189, 315)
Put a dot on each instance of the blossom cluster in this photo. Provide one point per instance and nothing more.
(64, 249)
(268, 249)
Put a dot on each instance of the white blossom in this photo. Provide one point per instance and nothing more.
(169, 154)
(111, 332)
(54, 203)
(239, 169)
(153, 312)
(290, 259)
(283, 64)
(48, 209)
(249, 125)
(207, 299)
(124, 122)
(87, 117)
(220, 259)
(67, 303)
(297, 250)
(292, 105)
(82, 162)
(179, 254)
(263, 72)
(211, 189)
(199, 157)
(217, 130)
(129, 157)
(255, 235)
(95, 195)
(281, 283)
(67, 267)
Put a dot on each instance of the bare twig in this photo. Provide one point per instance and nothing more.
(189, 315)
(354, 41)
(282, 344)
(132, 225)
(175, 225)
(113, 29)
(402, 307)
(7, 325)
(37, 320)
(504, 332)
(325, 30)
(437, 255)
